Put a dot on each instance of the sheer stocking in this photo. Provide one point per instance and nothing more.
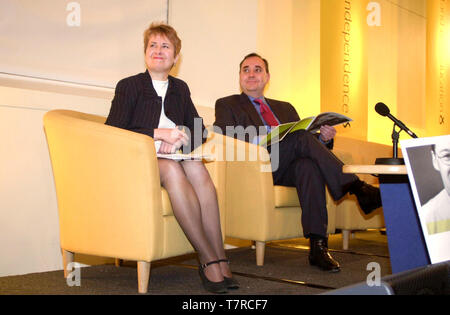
(203, 186)
(198, 217)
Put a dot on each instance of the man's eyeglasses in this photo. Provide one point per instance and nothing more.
(445, 158)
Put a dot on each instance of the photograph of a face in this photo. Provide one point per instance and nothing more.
(428, 164)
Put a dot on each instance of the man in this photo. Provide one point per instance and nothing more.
(437, 209)
(304, 160)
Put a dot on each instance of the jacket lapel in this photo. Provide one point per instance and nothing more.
(277, 110)
(283, 113)
(148, 89)
(173, 107)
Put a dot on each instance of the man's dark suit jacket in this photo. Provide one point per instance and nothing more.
(137, 107)
(238, 110)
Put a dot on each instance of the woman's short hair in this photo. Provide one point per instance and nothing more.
(159, 28)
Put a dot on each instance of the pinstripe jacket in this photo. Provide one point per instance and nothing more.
(137, 107)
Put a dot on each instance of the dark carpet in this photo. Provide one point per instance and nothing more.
(286, 272)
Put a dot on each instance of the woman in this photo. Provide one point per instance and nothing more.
(155, 103)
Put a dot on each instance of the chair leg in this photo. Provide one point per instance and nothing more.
(345, 238)
(260, 251)
(68, 257)
(143, 270)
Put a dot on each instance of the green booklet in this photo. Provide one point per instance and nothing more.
(311, 124)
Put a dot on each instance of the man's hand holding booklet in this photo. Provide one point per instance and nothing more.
(311, 124)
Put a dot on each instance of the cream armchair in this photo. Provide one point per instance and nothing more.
(349, 216)
(110, 200)
(256, 209)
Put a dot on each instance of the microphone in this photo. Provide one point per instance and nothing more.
(383, 110)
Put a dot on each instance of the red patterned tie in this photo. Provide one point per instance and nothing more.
(267, 113)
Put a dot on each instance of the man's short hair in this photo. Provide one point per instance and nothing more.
(254, 55)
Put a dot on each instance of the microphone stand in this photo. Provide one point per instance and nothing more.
(395, 137)
(394, 160)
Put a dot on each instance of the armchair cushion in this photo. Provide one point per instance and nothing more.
(349, 215)
(286, 197)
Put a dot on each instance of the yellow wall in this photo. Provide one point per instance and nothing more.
(438, 65)
(374, 51)
(397, 60)
(344, 63)
(348, 55)
(306, 65)
(288, 36)
(382, 71)
(327, 55)
(215, 36)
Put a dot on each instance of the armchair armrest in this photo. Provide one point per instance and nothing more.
(249, 189)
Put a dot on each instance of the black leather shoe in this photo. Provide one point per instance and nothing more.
(319, 255)
(213, 287)
(369, 197)
(231, 283)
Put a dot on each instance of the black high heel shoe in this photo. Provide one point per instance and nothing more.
(213, 287)
(231, 283)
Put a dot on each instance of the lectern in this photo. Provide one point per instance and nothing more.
(407, 248)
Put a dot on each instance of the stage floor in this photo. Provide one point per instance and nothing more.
(286, 272)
